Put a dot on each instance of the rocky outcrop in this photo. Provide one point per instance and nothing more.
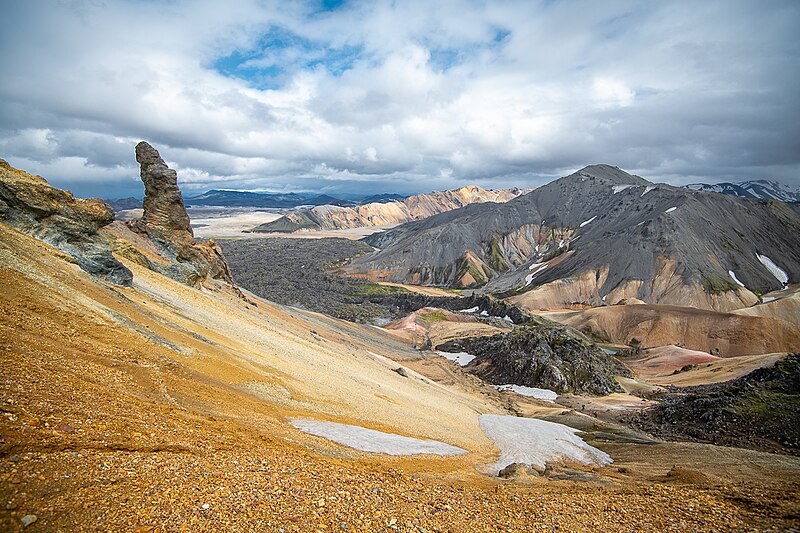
(386, 213)
(760, 411)
(166, 223)
(29, 204)
(542, 355)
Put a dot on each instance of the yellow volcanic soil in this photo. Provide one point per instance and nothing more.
(733, 334)
(162, 407)
(659, 365)
(439, 326)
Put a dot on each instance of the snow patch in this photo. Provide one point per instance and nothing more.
(537, 442)
(648, 189)
(768, 299)
(369, 440)
(585, 222)
(508, 319)
(532, 392)
(540, 267)
(774, 269)
(470, 310)
(671, 209)
(732, 274)
(462, 358)
(484, 313)
(620, 188)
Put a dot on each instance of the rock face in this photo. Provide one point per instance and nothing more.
(386, 213)
(600, 235)
(167, 225)
(542, 355)
(29, 204)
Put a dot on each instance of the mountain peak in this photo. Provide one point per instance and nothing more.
(610, 173)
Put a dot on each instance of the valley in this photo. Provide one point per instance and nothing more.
(155, 381)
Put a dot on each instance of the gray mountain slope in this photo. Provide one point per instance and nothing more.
(596, 219)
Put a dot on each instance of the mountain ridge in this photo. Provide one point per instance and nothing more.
(386, 213)
(603, 233)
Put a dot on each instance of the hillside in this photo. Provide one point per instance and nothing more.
(385, 212)
(168, 399)
(600, 234)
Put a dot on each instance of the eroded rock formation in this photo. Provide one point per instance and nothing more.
(167, 225)
(29, 204)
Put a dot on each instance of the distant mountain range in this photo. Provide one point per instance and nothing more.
(600, 235)
(225, 198)
(387, 210)
(757, 189)
(216, 197)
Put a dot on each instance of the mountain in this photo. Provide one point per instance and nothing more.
(757, 189)
(600, 235)
(382, 198)
(124, 204)
(386, 213)
(216, 197)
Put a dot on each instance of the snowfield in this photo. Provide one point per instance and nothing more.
(732, 274)
(462, 358)
(470, 310)
(532, 392)
(537, 442)
(774, 269)
(671, 209)
(620, 188)
(648, 189)
(369, 440)
(585, 222)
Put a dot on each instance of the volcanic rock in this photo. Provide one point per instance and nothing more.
(29, 204)
(542, 355)
(167, 224)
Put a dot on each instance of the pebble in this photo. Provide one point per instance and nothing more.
(28, 519)
(206, 506)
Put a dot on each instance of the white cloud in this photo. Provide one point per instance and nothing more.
(399, 96)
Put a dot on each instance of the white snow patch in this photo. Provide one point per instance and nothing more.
(508, 319)
(561, 243)
(732, 274)
(462, 358)
(620, 188)
(536, 442)
(648, 189)
(671, 209)
(470, 310)
(540, 394)
(540, 267)
(774, 269)
(484, 313)
(768, 299)
(369, 440)
(585, 222)
(535, 266)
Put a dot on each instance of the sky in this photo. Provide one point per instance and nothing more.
(398, 96)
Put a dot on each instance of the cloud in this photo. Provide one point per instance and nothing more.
(399, 96)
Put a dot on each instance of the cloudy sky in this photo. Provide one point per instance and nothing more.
(398, 96)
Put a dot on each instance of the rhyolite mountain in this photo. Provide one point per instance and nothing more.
(756, 189)
(385, 213)
(223, 198)
(598, 236)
